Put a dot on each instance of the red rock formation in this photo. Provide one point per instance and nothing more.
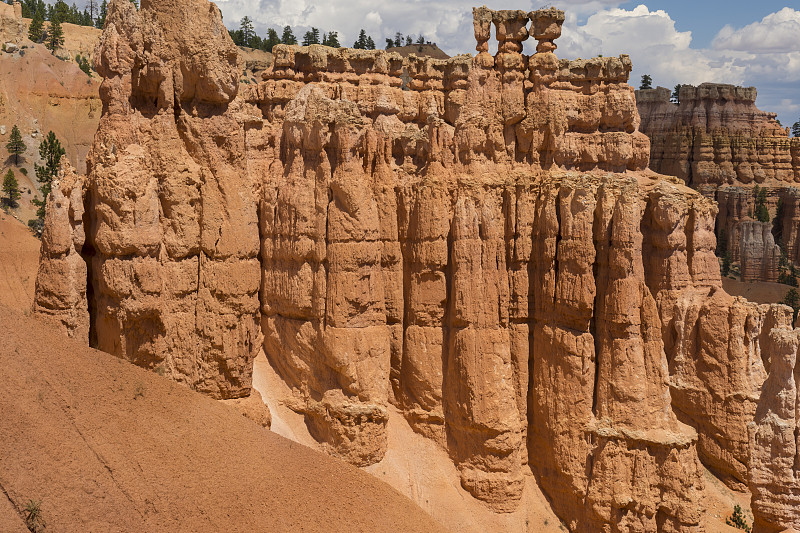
(775, 439)
(174, 234)
(716, 136)
(789, 223)
(61, 280)
(485, 250)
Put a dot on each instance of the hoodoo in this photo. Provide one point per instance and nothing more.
(482, 247)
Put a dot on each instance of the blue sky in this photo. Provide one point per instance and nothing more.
(678, 41)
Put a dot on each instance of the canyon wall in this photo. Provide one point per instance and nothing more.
(482, 248)
(718, 142)
(717, 136)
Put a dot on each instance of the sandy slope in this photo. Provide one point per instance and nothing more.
(19, 261)
(761, 292)
(40, 93)
(107, 446)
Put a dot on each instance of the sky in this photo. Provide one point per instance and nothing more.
(681, 41)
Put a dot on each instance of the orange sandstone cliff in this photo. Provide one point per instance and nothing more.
(482, 248)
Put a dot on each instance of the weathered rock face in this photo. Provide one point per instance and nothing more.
(737, 206)
(716, 136)
(775, 439)
(61, 280)
(759, 253)
(789, 222)
(717, 141)
(174, 237)
(12, 28)
(484, 250)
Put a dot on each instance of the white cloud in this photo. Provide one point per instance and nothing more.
(763, 54)
(446, 22)
(777, 32)
(656, 47)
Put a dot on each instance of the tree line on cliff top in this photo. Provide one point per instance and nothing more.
(245, 35)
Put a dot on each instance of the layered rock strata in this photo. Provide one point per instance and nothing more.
(485, 250)
(788, 222)
(716, 136)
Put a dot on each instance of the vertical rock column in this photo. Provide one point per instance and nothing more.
(323, 295)
(483, 426)
(775, 439)
(563, 354)
(713, 341)
(602, 437)
(512, 31)
(634, 431)
(175, 228)
(61, 279)
(546, 28)
(425, 259)
(759, 255)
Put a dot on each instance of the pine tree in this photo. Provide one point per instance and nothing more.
(370, 44)
(271, 40)
(36, 29)
(398, 39)
(676, 94)
(83, 64)
(50, 151)
(91, 6)
(15, 144)
(361, 42)
(737, 518)
(409, 40)
(722, 244)
(761, 211)
(10, 189)
(61, 12)
(55, 36)
(796, 129)
(100, 21)
(421, 40)
(311, 37)
(246, 27)
(389, 43)
(288, 37)
(332, 39)
(647, 82)
(726, 263)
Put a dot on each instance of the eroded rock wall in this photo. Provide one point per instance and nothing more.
(759, 255)
(485, 250)
(174, 236)
(716, 136)
(775, 439)
(61, 282)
